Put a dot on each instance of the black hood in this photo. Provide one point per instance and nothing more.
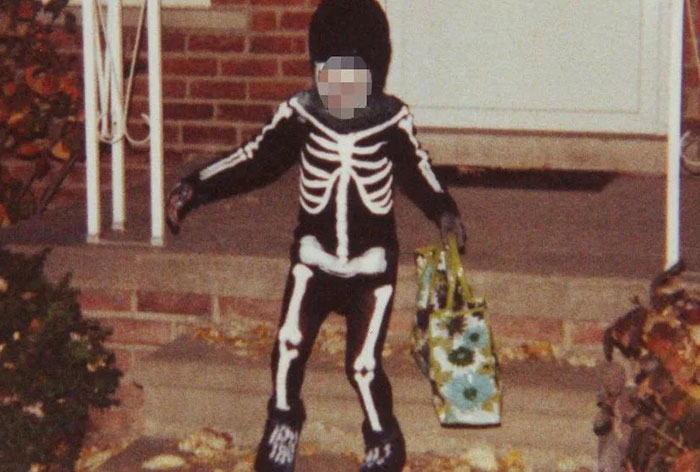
(352, 28)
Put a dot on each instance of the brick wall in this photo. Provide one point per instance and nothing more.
(220, 85)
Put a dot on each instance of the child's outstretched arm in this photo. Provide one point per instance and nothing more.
(258, 162)
(420, 184)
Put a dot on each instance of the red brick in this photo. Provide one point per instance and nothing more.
(65, 198)
(172, 302)
(299, 45)
(188, 111)
(587, 332)
(134, 176)
(248, 133)
(690, 77)
(224, 89)
(190, 66)
(123, 358)
(263, 21)
(137, 107)
(254, 308)
(132, 331)
(173, 41)
(228, 2)
(250, 67)
(172, 88)
(99, 299)
(276, 90)
(139, 130)
(528, 328)
(209, 135)
(247, 113)
(272, 45)
(216, 43)
(295, 21)
(296, 68)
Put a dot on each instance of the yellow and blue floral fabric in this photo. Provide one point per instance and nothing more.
(451, 341)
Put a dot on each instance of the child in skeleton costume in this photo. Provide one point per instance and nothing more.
(351, 142)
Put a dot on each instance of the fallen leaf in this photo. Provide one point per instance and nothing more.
(32, 149)
(512, 461)
(17, 117)
(164, 462)
(60, 151)
(206, 443)
(542, 350)
(4, 217)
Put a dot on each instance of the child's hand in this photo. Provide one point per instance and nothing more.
(177, 205)
(451, 225)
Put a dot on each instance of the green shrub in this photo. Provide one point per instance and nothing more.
(53, 368)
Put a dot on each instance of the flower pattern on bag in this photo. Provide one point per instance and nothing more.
(470, 391)
(476, 337)
(462, 356)
(452, 342)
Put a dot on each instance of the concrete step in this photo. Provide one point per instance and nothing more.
(547, 415)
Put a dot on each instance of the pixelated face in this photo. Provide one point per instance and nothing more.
(343, 83)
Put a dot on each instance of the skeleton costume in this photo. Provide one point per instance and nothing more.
(345, 250)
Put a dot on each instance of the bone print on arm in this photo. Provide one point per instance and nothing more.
(258, 162)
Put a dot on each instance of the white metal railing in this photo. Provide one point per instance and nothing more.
(105, 112)
(673, 171)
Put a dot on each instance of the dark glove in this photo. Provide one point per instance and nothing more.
(178, 204)
(451, 225)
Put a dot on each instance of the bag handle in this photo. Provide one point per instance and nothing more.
(455, 274)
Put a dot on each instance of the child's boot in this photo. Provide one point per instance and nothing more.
(278, 448)
(385, 451)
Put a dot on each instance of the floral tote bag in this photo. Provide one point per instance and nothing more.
(451, 341)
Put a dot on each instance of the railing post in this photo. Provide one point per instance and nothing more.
(92, 164)
(155, 99)
(673, 172)
(116, 87)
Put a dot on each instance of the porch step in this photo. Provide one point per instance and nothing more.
(547, 415)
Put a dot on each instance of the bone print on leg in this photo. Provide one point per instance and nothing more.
(289, 337)
(365, 363)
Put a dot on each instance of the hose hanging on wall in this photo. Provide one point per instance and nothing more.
(107, 74)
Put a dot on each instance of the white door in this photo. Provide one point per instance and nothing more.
(554, 65)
